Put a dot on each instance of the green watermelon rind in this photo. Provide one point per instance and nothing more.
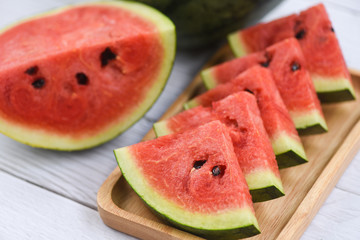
(329, 89)
(233, 224)
(333, 89)
(305, 122)
(289, 152)
(43, 139)
(264, 185)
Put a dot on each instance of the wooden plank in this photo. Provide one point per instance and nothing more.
(30, 212)
(350, 182)
(76, 175)
(322, 187)
(306, 186)
(338, 218)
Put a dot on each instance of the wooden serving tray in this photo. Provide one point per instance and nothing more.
(306, 186)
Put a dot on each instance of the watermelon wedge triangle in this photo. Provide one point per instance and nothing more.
(76, 77)
(195, 186)
(279, 126)
(289, 70)
(315, 33)
(240, 113)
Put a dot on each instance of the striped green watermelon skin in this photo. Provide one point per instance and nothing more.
(163, 173)
(240, 113)
(277, 121)
(69, 83)
(313, 29)
(289, 70)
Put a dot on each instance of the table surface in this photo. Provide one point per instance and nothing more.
(52, 195)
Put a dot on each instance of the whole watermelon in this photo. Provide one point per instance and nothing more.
(200, 23)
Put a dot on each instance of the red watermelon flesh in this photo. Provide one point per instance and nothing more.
(277, 121)
(184, 121)
(83, 74)
(240, 113)
(316, 36)
(289, 70)
(209, 199)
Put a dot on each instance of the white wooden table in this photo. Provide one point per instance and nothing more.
(52, 195)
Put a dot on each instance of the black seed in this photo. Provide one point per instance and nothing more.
(300, 34)
(216, 171)
(249, 91)
(106, 56)
(199, 164)
(32, 70)
(295, 66)
(38, 83)
(332, 29)
(82, 79)
(268, 60)
(265, 64)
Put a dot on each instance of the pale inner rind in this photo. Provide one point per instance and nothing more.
(283, 143)
(220, 220)
(263, 178)
(303, 120)
(208, 78)
(191, 104)
(161, 128)
(237, 44)
(331, 84)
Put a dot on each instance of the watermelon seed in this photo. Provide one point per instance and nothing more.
(268, 60)
(199, 164)
(106, 56)
(38, 83)
(295, 66)
(32, 70)
(217, 170)
(300, 34)
(82, 79)
(332, 29)
(249, 91)
(265, 64)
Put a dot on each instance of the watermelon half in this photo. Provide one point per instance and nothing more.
(193, 180)
(240, 113)
(288, 66)
(317, 38)
(76, 77)
(279, 126)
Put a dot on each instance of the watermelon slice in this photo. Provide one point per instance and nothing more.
(315, 33)
(193, 180)
(251, 144)
(288, 67)
(77, 77)
(285, 140)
